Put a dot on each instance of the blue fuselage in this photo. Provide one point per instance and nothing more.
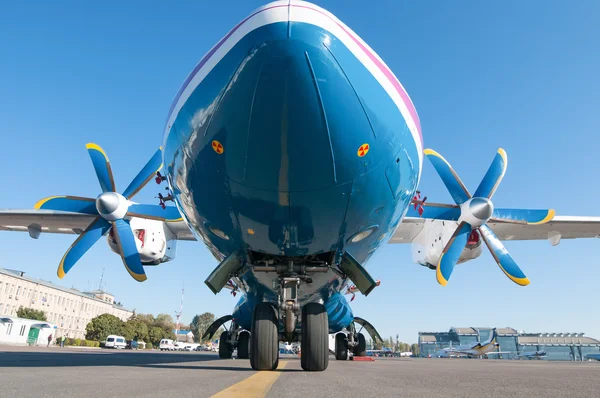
(267, 157)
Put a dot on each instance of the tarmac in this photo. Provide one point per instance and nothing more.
(73, 372)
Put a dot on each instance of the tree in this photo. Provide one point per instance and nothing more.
(415, 349)
(29, 313)
(103, 325)
(377, 344)
(148, 319)
(164, 321)
(200, 323)
(147, 328)
(135, 330)
(155, 335)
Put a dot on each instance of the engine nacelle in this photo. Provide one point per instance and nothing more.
(155, 242)
(428, 245)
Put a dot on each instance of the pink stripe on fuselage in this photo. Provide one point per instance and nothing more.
(205, 59)
(386, 71)
(382, 67)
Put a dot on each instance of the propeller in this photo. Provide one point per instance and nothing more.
(473, 212)
(112, 210)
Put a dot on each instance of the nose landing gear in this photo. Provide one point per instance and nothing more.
(314, 335)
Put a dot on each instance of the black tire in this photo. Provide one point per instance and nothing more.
(361, 349)
(341, 347)
(243, 349)
(264, 338)
(225, 347)
(314, 355)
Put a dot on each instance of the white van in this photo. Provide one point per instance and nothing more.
(166, 345)
(114, 341)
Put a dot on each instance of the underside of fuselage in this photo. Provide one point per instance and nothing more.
(285, 150)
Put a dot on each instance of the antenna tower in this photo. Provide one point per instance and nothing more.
(178, 315)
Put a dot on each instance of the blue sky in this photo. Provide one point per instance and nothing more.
(511, 74)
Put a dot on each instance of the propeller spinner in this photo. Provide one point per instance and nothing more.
(473, 212)
(112, 210)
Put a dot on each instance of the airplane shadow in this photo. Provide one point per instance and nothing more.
(200, 367)
(158, 360)
(56, 358)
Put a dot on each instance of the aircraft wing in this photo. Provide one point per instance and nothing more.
(63, 222)
(561, 227)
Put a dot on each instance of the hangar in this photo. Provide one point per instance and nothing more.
(558, 346)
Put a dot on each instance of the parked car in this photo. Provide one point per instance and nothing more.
(132, 345)
(114, 341)
(166, 345)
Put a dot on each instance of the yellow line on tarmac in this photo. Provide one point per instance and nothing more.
(256, 385)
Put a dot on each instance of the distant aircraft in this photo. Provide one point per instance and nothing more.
(472, 350)
(293, 153)
(533, 355)
(593, 356)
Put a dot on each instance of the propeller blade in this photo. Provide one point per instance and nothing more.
(145, 175)
(128, 250)
(437, 211)
(452, 252)
(493, 176)
(154, 212)
(68, 203)
(500, 254)
(92, 233)
(455, 186)
(102, 167)
(522, 216)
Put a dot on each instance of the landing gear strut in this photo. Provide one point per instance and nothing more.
(233, 337)
(341, 347)
(225, 346)
(354, 342)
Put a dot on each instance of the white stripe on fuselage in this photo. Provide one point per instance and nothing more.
(283, 11)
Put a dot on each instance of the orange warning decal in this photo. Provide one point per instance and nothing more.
(363, 150)
(216, 145)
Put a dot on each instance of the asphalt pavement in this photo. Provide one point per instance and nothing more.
(72, 372)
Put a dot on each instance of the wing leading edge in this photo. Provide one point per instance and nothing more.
(561, 227)
(63, 222)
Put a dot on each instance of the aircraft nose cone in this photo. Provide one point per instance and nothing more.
(107, 203)
(481, 208)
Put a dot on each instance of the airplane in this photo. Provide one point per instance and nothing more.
(540, 354)
(593, 356)
(472, 350)
(293, 153)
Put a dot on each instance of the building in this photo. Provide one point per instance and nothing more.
(558, 346)
(69, 309)
(184, 336)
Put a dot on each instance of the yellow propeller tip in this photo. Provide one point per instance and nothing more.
(91, 145)
(549, 217)
(523, 282)
(440, 278)
(41, 202)
(502, 153)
